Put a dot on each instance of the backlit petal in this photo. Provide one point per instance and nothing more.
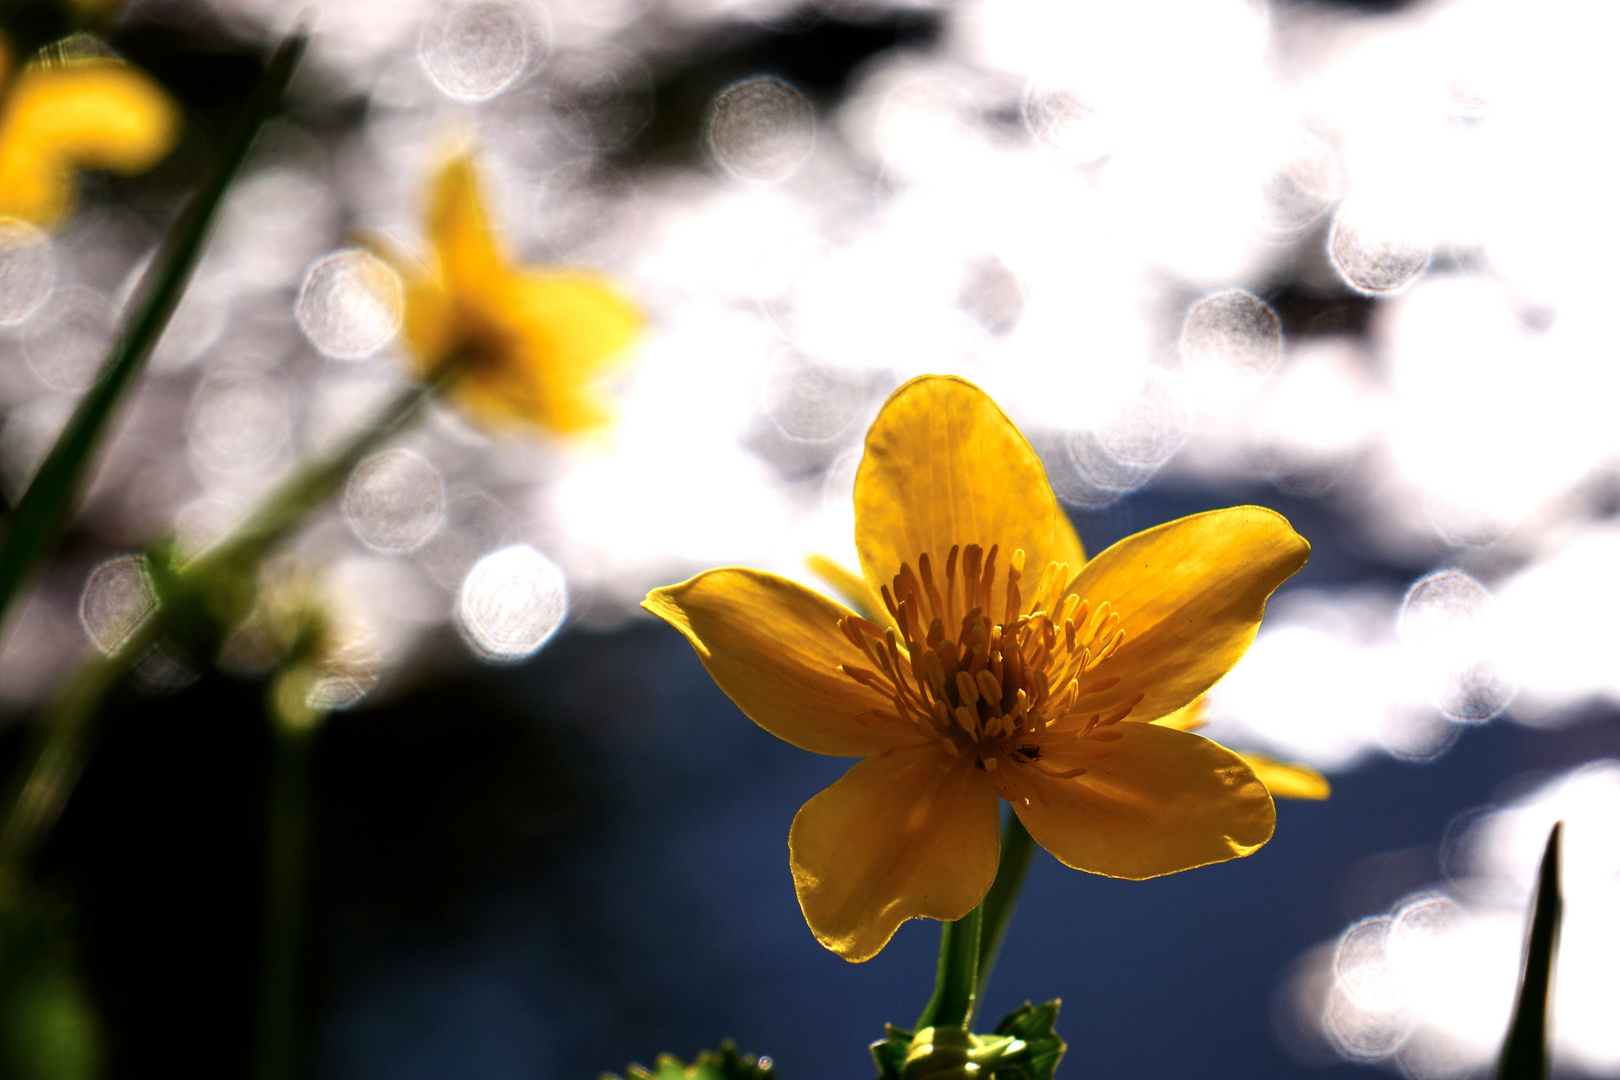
(91, 114)
(899, 837)
(774, 647)
(1189, 594)
(459, 229)
(1160, 801)
(1288, 779)
(945, 466)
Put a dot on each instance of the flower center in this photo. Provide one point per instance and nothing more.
(1003, 693)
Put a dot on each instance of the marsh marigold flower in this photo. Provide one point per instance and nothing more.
(1006, 667)
(79, 112)
(532, 344)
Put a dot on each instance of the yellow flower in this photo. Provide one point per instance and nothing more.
(1008, 668)
(532, 344)
(90, 112)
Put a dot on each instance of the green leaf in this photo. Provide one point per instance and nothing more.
(1033, 1024)
(1524, 1054)
(42, 513)
(724, 1064)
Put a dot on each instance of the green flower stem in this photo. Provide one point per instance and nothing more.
(968, 947)
(213, 591)
(41, 515)
(1016, 848)
(956, 980)
(287, 840)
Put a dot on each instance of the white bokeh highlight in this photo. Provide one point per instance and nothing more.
(511, 602)
(352, 304)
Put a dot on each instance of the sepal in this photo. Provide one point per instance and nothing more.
(1044, 1047)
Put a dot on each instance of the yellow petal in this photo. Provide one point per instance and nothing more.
(459, 229)
(1189, 594)
(1288, 780)
(95, 114)
(1162, 800)
(944, 466)
(851, 588)
(431, 324)
(774, 647)
(912, 835)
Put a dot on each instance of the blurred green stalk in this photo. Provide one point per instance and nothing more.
(294, 724)
(198, 602)
(41, 515)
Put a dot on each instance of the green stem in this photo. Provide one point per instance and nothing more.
(285, 509)
(218, 585)
(968, 947)
(956, 979)
(41, 515)
(280, 1050)
(998, 904)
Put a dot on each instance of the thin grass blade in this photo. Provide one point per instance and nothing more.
(1524, 1054)
(42, 513)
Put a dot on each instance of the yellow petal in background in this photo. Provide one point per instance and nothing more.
(1285, 780)
(774, 647)
(851, 588)
(1189, 594)
(83, 114)
(459, 228)
(944, 466)
(1161, 801)
(898, 838)
(1288, 780)
(1187, 718)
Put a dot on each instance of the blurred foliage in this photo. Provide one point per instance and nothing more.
(726, 1064)
(39, 518)
(48, 1030)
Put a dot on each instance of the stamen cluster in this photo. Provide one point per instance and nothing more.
(1003, 693)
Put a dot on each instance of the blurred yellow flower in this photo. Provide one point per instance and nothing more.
(81, 112)
(977, 687)
(532, 345)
